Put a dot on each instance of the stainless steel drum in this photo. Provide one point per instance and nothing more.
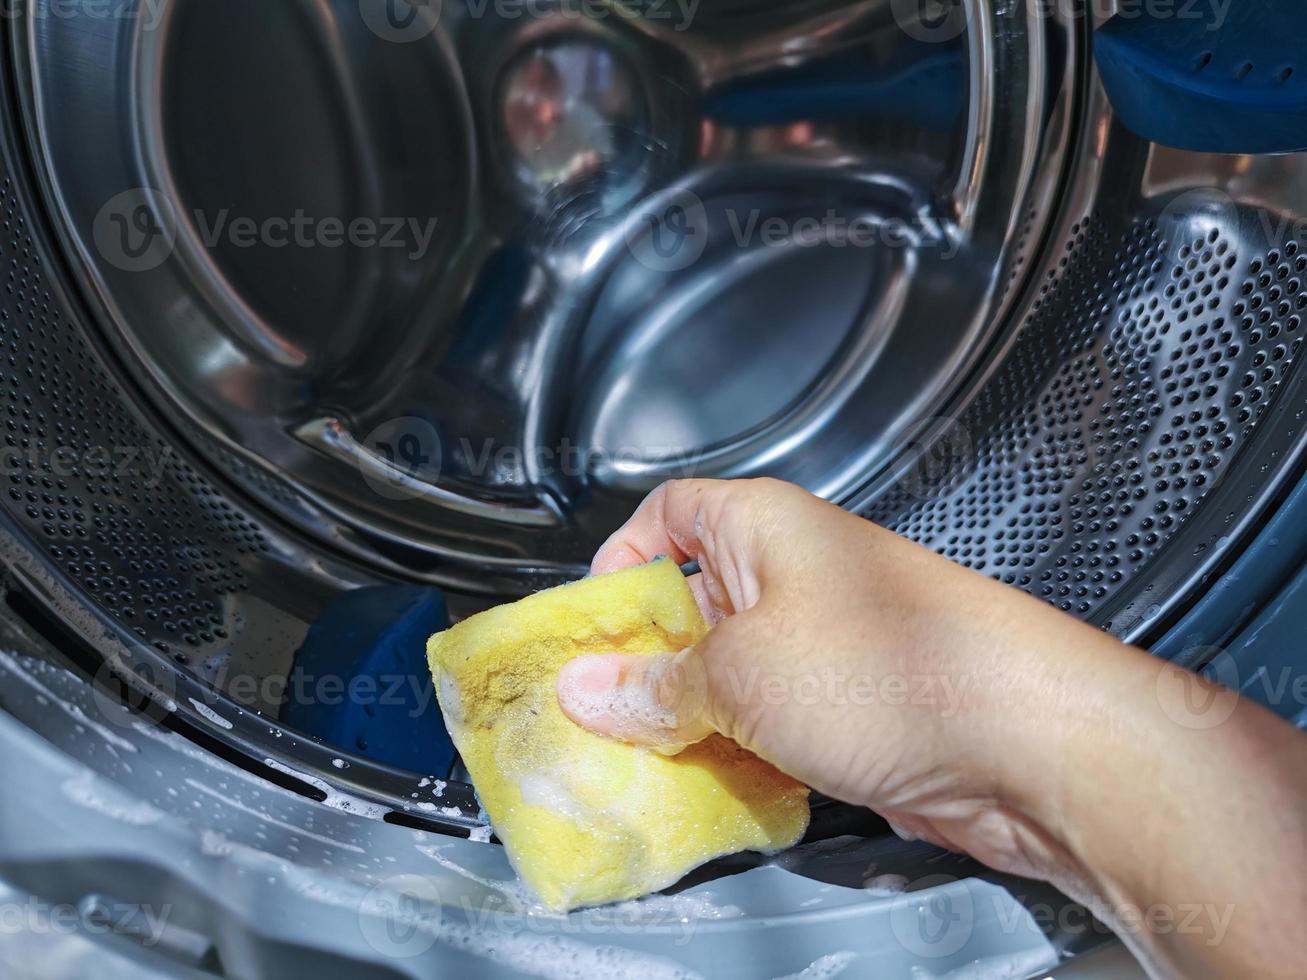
(519, 270)
(312, 294)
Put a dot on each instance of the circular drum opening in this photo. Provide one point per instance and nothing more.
(521, 270)
(923, 273)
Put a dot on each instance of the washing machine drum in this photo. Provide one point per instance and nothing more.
(303, 297)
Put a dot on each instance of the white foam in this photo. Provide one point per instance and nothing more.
(551, 957)
(73, 711)
(335, 798)
(628, 705)
(886, 884)
(824, 967)
(267, 818)
(548, 790)
(451, 702)
(85, 791)
(210, 714)
(682, 907)
(444, 811)
(481, 834)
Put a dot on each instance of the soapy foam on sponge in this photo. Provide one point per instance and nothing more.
(586, 819)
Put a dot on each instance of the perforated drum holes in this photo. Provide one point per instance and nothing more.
(157, 546)
(1143, 367)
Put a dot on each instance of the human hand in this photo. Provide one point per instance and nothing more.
(856, 661)
(966, 712)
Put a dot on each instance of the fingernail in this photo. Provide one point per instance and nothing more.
(902, 832)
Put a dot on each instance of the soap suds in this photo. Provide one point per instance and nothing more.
(548, 790)
(886, 884)
(298, 831)
(627, 705)
(451, 703)
(656, 908)
(71, 710)
(84, 791)
(824, 967)
(335, 798)
(210, 714)
(444, 811)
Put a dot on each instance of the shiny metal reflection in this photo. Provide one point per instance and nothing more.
(759, 239)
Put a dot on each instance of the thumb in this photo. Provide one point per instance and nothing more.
(659, 701)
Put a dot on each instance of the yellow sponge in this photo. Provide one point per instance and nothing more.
(586, 819)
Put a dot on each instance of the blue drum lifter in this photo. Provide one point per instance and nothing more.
(379, 701)
(1218, 76)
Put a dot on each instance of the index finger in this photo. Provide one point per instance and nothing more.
(692, 520)
(668, 523)
(672, 522)
(730, 527)
(665, 524)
